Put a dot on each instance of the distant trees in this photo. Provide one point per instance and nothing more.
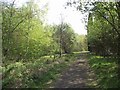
(80, 43)
(69, 41)
(65, 37)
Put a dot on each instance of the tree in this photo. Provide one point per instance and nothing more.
(80, 43)
(65, 37)
(23, 32)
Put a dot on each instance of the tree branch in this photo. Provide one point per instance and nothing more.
(112, 24)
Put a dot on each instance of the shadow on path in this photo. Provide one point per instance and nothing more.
(76, 76)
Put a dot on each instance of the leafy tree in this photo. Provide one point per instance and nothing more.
(64, 35)
(23, 32)
(80, 43)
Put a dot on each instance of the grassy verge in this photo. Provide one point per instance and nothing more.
(38, 73)
(105, 70)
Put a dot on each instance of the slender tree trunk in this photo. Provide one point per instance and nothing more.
(60, 41)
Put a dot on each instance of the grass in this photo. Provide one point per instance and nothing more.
(38, 73)
(105, 70)
(41, 73)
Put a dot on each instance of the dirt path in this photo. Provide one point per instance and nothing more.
(78, 75)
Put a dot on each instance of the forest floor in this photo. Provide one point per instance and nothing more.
(77, 75)
(77, 70)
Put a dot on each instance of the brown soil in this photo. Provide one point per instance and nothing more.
(78, 75)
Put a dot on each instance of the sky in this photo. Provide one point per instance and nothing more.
(56, 10)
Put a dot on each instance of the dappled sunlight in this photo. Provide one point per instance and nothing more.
(76, 76)
(59, 44)
(105, 70)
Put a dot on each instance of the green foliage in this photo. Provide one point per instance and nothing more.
(67, 40)
(80, 43)
(102, 29)
(105, 71)
(65, 37)
(35, 74)
(24, 36)
(30, 49)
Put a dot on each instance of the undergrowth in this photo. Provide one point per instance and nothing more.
(105, 70)
(38, 73)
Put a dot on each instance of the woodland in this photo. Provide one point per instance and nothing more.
(34, 54)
